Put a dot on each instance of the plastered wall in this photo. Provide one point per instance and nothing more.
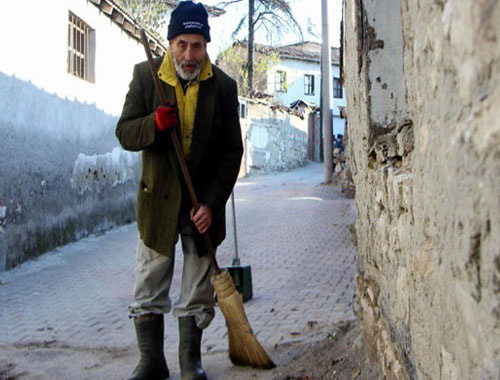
(423, 99)
(274, 140)
(62, 175)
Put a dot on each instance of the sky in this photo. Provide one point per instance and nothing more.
(306, 12)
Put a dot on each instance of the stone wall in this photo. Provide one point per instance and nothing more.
(423, 99)
(274, 139)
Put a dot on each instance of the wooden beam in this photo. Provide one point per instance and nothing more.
(118, 17)
(129, 27)
(107, 7)
(124, 22)
(152, 45)
(159, 51)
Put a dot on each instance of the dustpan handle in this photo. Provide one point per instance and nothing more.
(178, 150)
(236, 260)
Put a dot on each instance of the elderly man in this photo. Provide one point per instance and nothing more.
(203, 108)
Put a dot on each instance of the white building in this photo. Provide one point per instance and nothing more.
(297, 76)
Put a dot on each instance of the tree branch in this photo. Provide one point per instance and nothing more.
(238, 28)
(260, 16)
(224, 4)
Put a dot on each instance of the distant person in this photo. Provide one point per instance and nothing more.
(204, 110)
(339, 142)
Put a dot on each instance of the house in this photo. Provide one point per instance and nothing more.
(297, 76)
(293, 77)
(64, 73)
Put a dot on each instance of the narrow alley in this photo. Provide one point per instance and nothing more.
(64, 316)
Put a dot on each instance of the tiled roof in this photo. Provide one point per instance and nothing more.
(309, 51)
(303, 51)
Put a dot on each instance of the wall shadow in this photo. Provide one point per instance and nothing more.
(42, 137)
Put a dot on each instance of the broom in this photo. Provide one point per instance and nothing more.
(244, 348)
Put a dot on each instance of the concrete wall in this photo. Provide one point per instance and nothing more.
(62, 175)
(423, 101)
(274, 140)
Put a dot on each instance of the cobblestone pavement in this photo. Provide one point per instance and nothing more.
(72, 302)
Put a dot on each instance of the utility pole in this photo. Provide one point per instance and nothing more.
(326, 94)
(251, 31)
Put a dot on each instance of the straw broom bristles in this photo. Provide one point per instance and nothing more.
(244, 348)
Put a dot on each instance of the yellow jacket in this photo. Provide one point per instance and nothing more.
(186, 103)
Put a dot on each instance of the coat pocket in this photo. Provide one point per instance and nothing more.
(144, 200)
(145, 187)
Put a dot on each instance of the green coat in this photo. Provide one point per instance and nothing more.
(214, 159)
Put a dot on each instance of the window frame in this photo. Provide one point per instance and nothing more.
(81, 49)
(309, 84)
(338, 90)
(280, 81)
(243, 110)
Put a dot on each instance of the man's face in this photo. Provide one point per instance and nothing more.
(189, 52)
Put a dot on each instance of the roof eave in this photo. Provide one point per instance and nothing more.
(128, 24)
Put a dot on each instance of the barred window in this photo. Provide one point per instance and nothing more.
(337, 88)
(280, 81)
(308, 84)
(81, 49)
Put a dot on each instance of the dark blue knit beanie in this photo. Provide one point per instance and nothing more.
(189, 18)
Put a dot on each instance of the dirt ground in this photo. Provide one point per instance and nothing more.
(339, 355)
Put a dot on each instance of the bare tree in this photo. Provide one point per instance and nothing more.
(273, 16)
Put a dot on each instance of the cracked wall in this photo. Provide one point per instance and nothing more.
(423, 102)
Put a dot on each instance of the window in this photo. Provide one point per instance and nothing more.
(242, 110)
(81, 49)
(280, 81)
(337, 88)
(308, 84)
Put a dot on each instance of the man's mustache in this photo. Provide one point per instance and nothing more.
(190, 63)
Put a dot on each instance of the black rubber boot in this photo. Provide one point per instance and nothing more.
(152, 365)
(190, 350)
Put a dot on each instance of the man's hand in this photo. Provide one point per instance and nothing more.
(166, 117)
(202, 219)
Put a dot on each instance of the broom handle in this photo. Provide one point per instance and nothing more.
(178, 150)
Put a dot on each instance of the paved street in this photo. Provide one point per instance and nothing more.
(65, 315)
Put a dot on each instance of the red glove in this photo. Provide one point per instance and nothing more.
(166, 117)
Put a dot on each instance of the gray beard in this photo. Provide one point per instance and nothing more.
(184, 74)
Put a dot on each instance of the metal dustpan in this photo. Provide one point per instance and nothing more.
(241, 274)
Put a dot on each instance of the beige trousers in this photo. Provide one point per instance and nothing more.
(153, 278)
